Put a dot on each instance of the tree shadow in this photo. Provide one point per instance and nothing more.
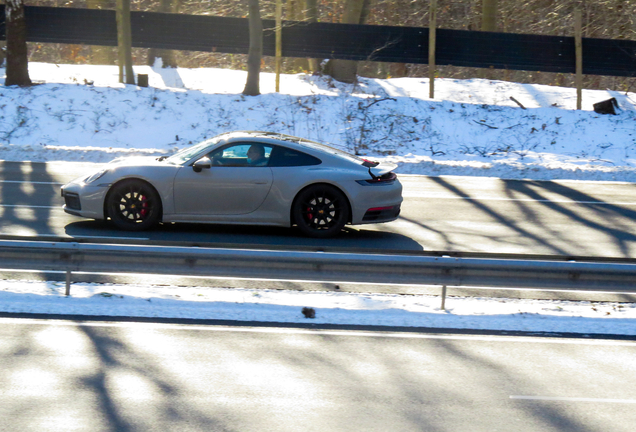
(241, 378)
(167, 401)
(29, 194)
(554, 217)
(607, 219)
(500, 218)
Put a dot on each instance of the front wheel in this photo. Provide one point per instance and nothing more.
(321, 211)
(133, 205)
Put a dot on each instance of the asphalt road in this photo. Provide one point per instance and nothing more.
(439, 213)
(92, 376)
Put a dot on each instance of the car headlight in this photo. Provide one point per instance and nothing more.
(93, 177)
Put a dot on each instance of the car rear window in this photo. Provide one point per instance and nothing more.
(285, 157)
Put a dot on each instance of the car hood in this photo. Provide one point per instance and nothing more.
(383, 168)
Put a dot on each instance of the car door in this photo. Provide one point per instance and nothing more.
(229, 187)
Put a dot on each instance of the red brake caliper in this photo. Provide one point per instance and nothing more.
(144, 206)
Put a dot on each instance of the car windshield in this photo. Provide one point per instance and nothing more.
(189, 152)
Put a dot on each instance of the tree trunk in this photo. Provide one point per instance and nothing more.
(488, 23)
(124, 40)
(101, 55)
(356, 12)
(296, 11)
(17, 60)
(168, 57)
(256, 50)
(489, 15)
(312, 17)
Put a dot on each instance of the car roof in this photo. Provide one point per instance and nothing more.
(292, 141)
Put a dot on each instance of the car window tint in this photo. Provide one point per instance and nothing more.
(286, 157)
(243, 154)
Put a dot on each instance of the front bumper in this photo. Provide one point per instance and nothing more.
(84, 200)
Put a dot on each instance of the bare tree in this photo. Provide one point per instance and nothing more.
(168, 57)
(255, 52)
(489, 15)
(124, 42)
(17, 60)
(101, 55)
(356, 12)
(312, 16)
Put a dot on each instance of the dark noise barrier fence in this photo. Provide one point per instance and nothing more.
(340, 41)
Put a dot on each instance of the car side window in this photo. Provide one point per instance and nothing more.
(242, 155)
(286, 157)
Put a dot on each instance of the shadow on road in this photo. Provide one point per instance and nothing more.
(350, 238)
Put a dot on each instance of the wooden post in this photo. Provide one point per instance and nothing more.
(578, 44)
(124, 42)
(279, 41)
(431, 48)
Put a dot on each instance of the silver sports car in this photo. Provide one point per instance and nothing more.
(252, 178)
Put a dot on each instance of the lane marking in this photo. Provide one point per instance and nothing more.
(320, 332)
(31, 182)
(574, 399)
(30, 206)
(86, 237)
(560, 201)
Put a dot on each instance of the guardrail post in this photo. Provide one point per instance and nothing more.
(68, 283)
(443, 297)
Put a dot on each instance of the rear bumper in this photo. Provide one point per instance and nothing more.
(381, 214)
(377, 204)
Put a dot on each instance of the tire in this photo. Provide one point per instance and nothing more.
(321, 211)
(133, 205)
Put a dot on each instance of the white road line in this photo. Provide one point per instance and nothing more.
(574, 399)
(116, 238)
(560, 201)
(29, 206)
(31, 182)
(92, 237)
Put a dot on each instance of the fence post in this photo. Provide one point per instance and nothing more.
(578, 46)
(431, 48)
(443, 297)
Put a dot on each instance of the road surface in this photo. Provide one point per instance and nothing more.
(439, 213)
(95, 376)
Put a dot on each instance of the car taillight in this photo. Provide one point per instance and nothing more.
(384, 179)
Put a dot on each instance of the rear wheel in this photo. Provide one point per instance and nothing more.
(133, 205)
(321, 211)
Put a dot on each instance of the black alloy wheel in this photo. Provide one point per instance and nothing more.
(321, 211)
(133, 205)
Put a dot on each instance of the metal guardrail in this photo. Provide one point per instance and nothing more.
(312, 266)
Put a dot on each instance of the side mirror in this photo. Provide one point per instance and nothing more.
(203, 163)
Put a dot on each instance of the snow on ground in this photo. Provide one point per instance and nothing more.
(472, 127)
(331, 308)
